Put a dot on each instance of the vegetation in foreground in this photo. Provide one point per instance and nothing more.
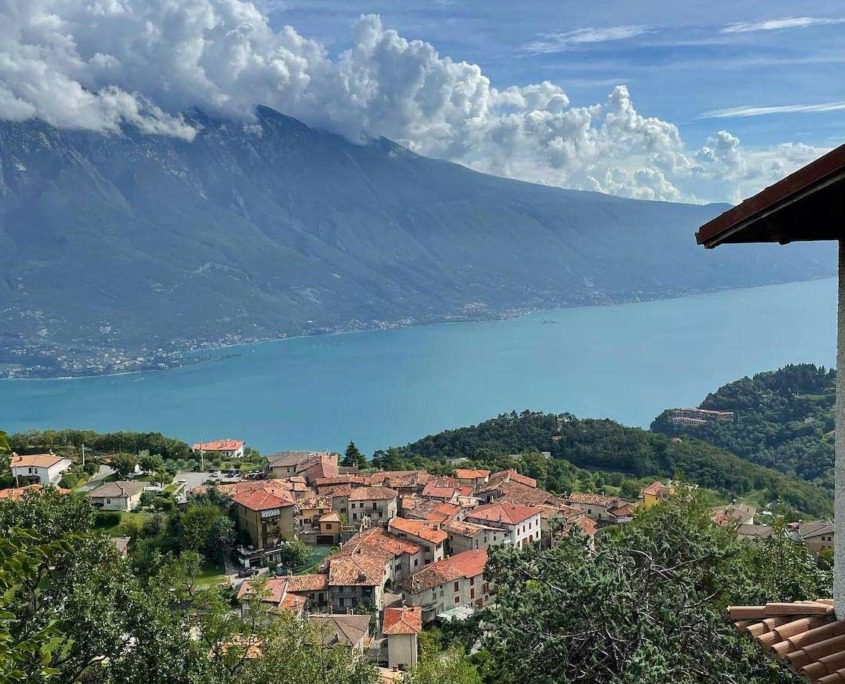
(647, 604)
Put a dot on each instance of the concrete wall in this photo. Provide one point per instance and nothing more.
(402, 650)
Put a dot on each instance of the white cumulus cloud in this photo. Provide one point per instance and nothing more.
(103, 64)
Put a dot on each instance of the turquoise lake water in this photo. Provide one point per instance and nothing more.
(626, 362)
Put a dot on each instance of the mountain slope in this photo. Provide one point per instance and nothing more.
(782, 419)
(271, 228)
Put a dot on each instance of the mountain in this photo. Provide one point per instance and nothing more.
(128, 243)
(783, 419)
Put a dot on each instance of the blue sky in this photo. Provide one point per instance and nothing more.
(680, 60)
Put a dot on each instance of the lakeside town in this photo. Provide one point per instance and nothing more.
(373, 557)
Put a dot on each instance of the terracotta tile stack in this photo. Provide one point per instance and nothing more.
(805, 635)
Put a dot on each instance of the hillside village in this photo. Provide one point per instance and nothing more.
(397, 551)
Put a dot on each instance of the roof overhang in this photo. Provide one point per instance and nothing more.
(806, 205)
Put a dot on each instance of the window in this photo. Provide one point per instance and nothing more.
(457, 599)
(457, 586)
(472, 581)
(472, 594)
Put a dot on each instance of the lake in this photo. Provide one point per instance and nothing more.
(382, 388)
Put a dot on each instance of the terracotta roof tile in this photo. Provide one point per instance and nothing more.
(261, 500)
(508, 513)
(466, 564)
(418, 528)
(17, 493)
(356, 569)
(403, 620)
(377, 538)
(372, 494)
(307, 583)
(805, 635)
(471, 473)
(218, 445)
(35, 461)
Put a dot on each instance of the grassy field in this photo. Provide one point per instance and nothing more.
(115, 530)
(211, 575)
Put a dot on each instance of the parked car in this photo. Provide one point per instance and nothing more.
(248, 572)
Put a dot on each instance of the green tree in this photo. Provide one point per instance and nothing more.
(206, 529)
(436, 666)
(353, 457)
(646, 606)
(294, 554)
(124, 464)
(151, 462)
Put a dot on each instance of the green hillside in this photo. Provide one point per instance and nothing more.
(783, 420)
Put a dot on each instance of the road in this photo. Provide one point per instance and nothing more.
(97, 479)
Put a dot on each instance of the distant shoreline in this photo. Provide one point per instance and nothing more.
(212, 352)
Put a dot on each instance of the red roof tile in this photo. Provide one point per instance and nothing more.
(403, 620)
(218, 445)
(466, 564)
(805, 635)
(419, 529)
(261, 500)
(508, 513)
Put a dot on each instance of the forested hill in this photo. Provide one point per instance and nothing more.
(609, 446)
(783, 419)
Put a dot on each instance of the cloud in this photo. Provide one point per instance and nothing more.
(780, 24)
(558, 42)
(103, 64)
(752, 110)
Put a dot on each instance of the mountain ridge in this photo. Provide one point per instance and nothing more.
(131, 246)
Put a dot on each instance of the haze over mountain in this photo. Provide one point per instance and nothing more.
(268, 228)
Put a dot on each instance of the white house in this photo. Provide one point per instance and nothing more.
(225, 448)
(447, 584)
(45, 469)
(117, 496)
(520, 523)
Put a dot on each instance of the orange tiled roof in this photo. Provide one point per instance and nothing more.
(218, 445)
(471, 473)
(274, 589)
(804, 635)
(372, 494)
(511, 475)
(262, 500)
(508, 513)
(35, 460)
(465, 529)
(17, 493)
(466, 564)
(595, 500)
(304, 583)
(656, 488)
(397, 479)
(378, 540)
(356, 569)
(403, 620)
(273, 486)
(419, 529)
